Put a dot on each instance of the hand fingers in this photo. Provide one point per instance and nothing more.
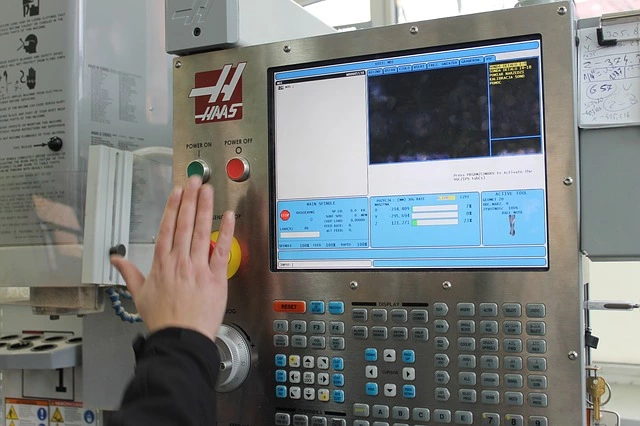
(220, 257)
(202, 228)
(131, 274)
(186, 216)
(164, 241)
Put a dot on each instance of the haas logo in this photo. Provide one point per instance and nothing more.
(218, 94)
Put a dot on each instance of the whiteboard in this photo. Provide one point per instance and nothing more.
(609, 77)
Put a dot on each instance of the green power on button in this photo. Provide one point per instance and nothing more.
(198, 168)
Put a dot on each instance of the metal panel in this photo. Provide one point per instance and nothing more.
(255, 287)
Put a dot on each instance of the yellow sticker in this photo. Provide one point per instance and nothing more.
(12, 415)
(57, 416)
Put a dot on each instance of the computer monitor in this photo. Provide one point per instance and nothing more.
(430, 159)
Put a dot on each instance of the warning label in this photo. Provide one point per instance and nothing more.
(26, 412)
(70, 414)
(501, 73)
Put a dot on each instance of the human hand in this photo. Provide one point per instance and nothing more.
(185, 288)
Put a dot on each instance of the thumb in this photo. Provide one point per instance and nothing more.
(131, 274)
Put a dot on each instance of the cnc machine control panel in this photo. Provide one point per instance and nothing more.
(407, 248)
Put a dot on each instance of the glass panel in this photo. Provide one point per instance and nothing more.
(590, 8)
(340, 12)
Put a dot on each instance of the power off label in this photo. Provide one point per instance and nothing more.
(63, 413)
(26, 412)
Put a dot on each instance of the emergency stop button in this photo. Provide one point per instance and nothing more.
(238, 169)
(200, 168)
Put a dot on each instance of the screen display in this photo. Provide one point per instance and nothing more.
(429, 160)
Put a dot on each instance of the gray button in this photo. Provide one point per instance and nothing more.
(336, 343)
(512, 327)
(466, 361)
(442, 377)
(420, 333)
(359, 315)
(336, 327)
(399, 333)
(300, 420)
(441, 326)
(468, 396)
(280, 340)
(537, 382)
(490, 419)
(317, 342)
(490, 380)
(512, 310)
(489, 327)
(281, 326)
(421, 414)
(400, 413)
(537, 399)
(283, 419)
(440, 309)
(380, 411)
(360, 423)
(441, 360)
(536, 346)
(515, 420)
(442, 394)
(490, 397)
(399, 315)
(317, 327)
(298, 326)
(419, 316)
(464, 417)
(489, 362)
(441, 343)
(298, 341)
(538, 421)
(512, 363)
(488, 310)
(318, 421)
(379, 315)
(361, 410)
(360, 332)
(512, 345)
(466, 378)
(380, 424)
(536, 328)
(489, 344)
(379, 333)
(536, 310)
(442, 416)
(466, 344)
(338, 422)
(537, 364)
(466, 326)
(514, 398)
(466, 309)
(513, 381)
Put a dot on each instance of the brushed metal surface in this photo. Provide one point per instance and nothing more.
(255, 287)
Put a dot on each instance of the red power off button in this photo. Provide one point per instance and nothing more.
(238, 169)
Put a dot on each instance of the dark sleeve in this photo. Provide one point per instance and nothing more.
(174, 382)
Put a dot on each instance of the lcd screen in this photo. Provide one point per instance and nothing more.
(432, 160)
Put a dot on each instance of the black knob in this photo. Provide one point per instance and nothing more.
(55, 144)
(119, 249)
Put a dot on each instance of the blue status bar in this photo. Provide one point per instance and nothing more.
(425, 61)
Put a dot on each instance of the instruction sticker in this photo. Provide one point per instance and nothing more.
(65, 413)
(26, 412)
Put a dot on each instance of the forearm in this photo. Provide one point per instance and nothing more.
(174, 382)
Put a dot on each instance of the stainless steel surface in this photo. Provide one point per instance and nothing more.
(254, 288)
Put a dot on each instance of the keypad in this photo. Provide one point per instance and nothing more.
(484, 355)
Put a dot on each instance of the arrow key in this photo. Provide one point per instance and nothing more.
(309, 394)
(390, 355)
(390, 390)
(371, 371)
(409, 373)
